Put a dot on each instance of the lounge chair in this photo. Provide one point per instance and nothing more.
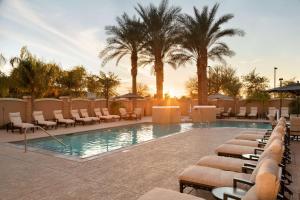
(208, 178)
(267, 186)
(125, 115)
(234, 150)
(106, 113)
(219, 112)
(227, 114)
(100, 116)
(242, 113)
(253, 135)
(253, 112)
(285, 112)
(164, 194)
(271, 113)
(40, 120)
(138, 113)
(77, 118)
(84, 113)
(274, 151)
(295, 128)
(16, 123)
(61, 120)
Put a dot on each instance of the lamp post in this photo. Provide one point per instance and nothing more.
(275, 69)
(280, 105)
(208, 75)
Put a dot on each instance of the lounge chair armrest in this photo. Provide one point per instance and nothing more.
(257, 150)
(230, 196)
(247, 169)
(243, 181)
(249, 165)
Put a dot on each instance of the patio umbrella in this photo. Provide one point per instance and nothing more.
(130, 96)
(219, 96)
(292, 88)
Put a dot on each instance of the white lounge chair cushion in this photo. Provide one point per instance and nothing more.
(224, 163)
(24, 125)
(211, 177)
(243, 142)
(164, 194)
(47, 123)
(67, 121)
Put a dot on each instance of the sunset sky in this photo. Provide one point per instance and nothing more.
(71, 32)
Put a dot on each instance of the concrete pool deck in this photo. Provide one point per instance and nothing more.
(118, 176)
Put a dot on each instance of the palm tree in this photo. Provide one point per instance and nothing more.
(161, 34)
(109, 83)
(200, 41)
(125, 39)
(2, 60)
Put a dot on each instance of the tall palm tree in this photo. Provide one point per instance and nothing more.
(125, 39)
(2, 60)
(161, 32)
(201, 40)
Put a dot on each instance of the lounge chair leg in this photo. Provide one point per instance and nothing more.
(181, 187)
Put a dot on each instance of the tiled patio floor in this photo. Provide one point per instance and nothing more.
(118, 176)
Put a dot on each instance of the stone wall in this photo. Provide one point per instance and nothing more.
(65, 103)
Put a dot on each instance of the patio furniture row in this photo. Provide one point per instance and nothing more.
(77, 116)
(263, 176)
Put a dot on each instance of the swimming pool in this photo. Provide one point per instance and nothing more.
(91, 143)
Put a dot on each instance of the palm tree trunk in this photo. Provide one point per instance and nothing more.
(202, 79)
(159, 71)
(134, 70)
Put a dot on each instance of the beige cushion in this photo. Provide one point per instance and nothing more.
(243, 142)
(267, 181)
(224, 163)
(15, 118)
(249, 136)
(164, 194)
(211, 177)
(251, 194)
(234, 149)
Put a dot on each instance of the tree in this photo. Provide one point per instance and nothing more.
(109, 83)
(161, 35)
(73, 82)
(4, 90)
(93, 85)
(233, 88)
(2, 60)
(201, 40)
(192, 87)
(143, 90)
(30, 75)
(256, 86)
(125, 39)
(221, 79)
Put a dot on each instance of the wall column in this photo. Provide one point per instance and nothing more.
(28, 109)
(66, 106)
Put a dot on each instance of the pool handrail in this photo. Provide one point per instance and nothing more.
(55, 138)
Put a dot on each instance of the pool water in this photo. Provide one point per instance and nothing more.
(91, 143)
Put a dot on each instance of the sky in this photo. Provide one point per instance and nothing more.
(71, 33)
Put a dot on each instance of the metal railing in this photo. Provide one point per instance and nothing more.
(55, 138)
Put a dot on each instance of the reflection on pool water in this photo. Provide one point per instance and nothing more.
(91, 143)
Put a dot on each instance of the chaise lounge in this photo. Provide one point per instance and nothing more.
(84, 113)
(16, 123)
(77, 118)
(40, 120)
(61, 120)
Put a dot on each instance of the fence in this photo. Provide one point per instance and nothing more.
(25, 106)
